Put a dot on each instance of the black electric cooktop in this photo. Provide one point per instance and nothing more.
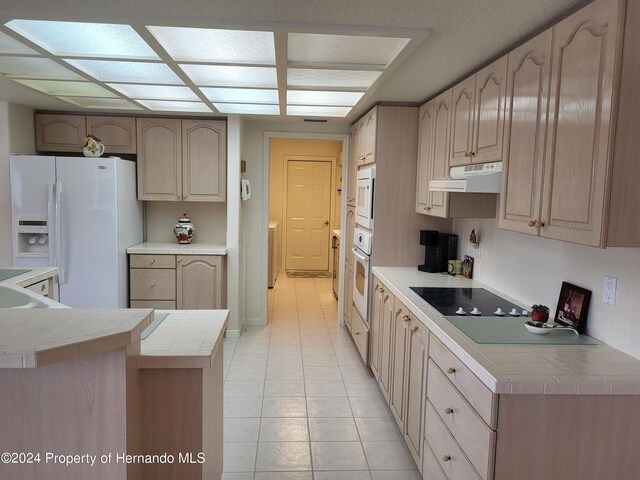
(448, 301)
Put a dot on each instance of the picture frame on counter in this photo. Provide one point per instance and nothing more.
(573, 306)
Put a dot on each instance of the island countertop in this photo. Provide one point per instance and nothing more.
(34, 275)
(517, 369)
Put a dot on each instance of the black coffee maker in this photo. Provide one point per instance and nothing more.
(439, 249)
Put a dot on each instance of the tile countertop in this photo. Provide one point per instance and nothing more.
(184, 339)
(35, 275)
(41, 336)
(518, 369)
(171, 248)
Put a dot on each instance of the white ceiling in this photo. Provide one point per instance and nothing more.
(463, 34)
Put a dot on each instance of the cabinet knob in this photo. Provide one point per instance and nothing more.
(448, 411)
(153, 260)
(446, 458)
(473, 154)
(415, 329)
(179, 260)
(451, 370)
(381, 290)
(184, 196)
(357, 333)
(406, 318)
(466, 154)
(542, 224)
(153, 285)
(532, 223)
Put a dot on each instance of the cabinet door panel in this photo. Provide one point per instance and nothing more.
(400, 333)
(440, 164)
(117, 134)
(204, 159)
(462, 121)
(374, 327)
(524, 134)
(353, 166)
(200, 282)
(579, 115)
(369, 129)
(489, 119)
(417, 356)
(159, 159)
(386, 323)
(60, 133)
(425, 157)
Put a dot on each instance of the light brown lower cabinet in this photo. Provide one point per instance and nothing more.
(185, 282)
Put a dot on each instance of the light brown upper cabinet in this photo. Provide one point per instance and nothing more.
(527, 96)
(181, 159)
(477, 121)
(117, 134)
(442, 113)
(425, 157)
(364, 134)
(582, 188)
(65, 133)
(60, 133)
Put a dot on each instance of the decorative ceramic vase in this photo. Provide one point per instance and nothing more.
(93, 147)
(184, 229)
(539, 316)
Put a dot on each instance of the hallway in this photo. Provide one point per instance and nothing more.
(299, 403)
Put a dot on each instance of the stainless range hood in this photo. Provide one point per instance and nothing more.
(481, 178)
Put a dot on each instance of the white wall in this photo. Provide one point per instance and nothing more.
(532, 269)
(235, 282)
(16, 136)
(256, 229)
(210, 220)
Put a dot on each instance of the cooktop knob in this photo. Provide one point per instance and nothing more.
(499, 312)
(460, 311)
(514, 313)
(525, 313)
(475, 311)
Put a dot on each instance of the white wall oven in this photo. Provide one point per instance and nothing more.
(362, 241)
(364, 197)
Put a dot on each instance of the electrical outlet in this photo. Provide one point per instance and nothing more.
(609, 296)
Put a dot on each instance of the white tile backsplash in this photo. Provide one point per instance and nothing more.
(531, 269)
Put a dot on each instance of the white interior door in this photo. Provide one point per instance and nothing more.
(308, 208)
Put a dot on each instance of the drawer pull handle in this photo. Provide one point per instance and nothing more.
(153, 260)
(451, 370)
(415, 329)
(406, 318)
(448, 411)
(153, 285)
(357, 333)
(446, 458)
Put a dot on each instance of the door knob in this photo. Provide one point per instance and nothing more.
(326, 223)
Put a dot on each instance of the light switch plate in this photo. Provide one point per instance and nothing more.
(609, 296)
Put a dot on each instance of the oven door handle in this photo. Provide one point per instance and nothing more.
(364, 258)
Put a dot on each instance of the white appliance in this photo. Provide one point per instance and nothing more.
(481, 178)
(364, 196)
(80, 215)
(362, 243)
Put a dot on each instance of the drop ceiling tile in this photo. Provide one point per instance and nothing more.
(216, 46)
(11, 45)
(166, 105)
(317, 111)
(113, 103)
(68, 89)
(36, 67)
(320, 48)
(231, 76)
(249, 109)
(315, 97)
(155, 92)
(127, 72)
(241, 95)
(318, 78)
(85, 39)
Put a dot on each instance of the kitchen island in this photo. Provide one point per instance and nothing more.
(492, 411)
(76, 382)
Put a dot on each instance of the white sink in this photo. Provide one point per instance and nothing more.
(16, 297)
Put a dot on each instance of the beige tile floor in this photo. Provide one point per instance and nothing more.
(299, 403)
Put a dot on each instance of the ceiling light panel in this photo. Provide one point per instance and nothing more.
(316, 111)
(241, 95)
(68, 89)
(317, 48)
(11, 45)
(216, 46)
(231, 76)
(112, 103)
(155, 92)
(167, 105)
(248, 109)
(85, 39)
(313, 97)
(35, 67)
(127, 72)
(317, 78)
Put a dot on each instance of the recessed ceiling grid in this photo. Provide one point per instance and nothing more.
(164, 68)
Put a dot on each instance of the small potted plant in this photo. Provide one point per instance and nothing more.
(539, 313)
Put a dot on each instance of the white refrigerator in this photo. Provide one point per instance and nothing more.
(80, 215)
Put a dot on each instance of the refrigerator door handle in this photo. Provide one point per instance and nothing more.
(50, 222)
(59, 249)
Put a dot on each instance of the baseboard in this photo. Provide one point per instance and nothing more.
(232, 333)
(255, 321)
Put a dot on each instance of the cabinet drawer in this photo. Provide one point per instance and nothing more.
(474, 391)
(155, 304)
(153, 284)
(471, 433)
(152, 261)
(447, 452)
(360, 334)
(430, 468)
